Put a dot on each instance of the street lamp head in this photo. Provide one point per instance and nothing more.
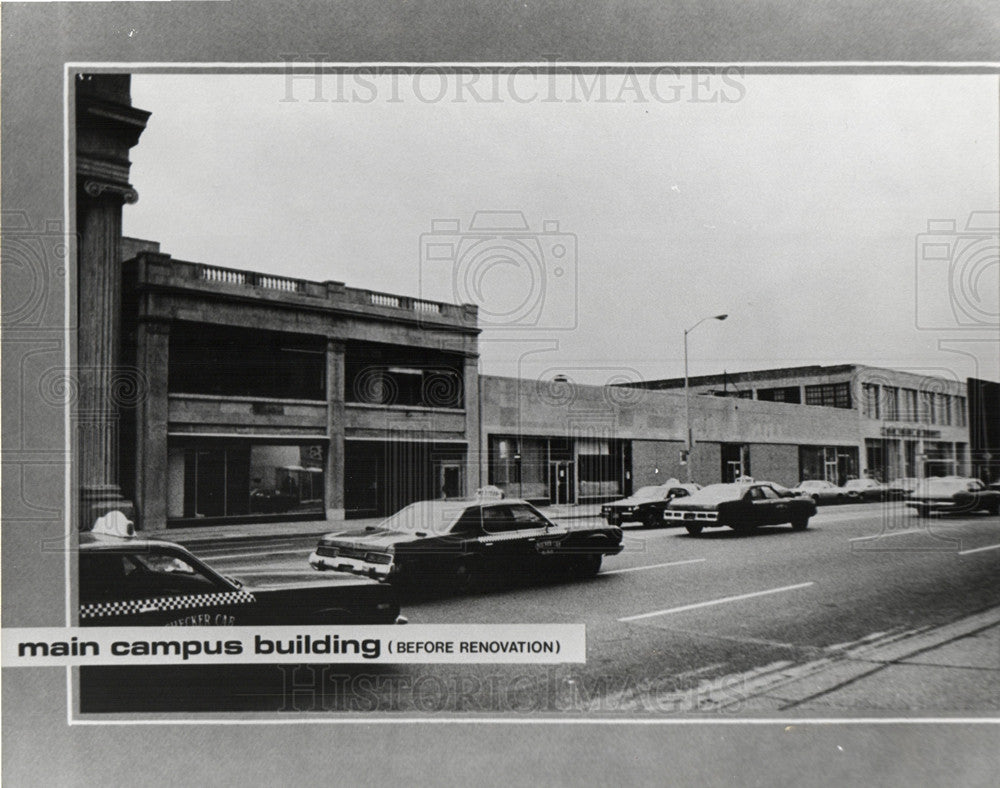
(721, 317)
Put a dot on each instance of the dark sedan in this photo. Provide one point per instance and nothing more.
(864, 490)
(141, 582)
(647, 504)
(954, 494)
(433, 542)
(741, 507)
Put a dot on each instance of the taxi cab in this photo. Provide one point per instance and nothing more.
(466, 541)
(128, 581)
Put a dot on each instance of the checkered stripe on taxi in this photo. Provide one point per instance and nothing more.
(125, 607)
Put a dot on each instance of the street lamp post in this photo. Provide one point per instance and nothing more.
(687, 390)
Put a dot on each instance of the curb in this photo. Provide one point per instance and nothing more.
(787, 687)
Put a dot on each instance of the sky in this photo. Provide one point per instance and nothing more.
(797, 204)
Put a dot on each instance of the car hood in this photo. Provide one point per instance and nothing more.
(633, 501)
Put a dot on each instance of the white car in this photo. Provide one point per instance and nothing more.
(820, 491)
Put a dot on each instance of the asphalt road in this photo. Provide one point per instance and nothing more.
(675, 624)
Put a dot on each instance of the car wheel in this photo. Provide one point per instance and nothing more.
(651, 520)
(588, 565)
(468, 577)
(923, 511)
(694, 530)
(800, 523)
(994, 508)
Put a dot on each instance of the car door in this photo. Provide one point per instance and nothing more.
(156, 587)
(769, 507)
(499, 542)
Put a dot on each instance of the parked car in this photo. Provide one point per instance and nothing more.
(647, 504)
(465, 542)
(126, 581)
(864, 490)
(954, 494)
(898, 489)
(741, 507)
(820, 491)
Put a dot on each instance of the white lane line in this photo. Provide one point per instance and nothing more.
(979, 549)
(651, 566)
(888, 534)
(303, 551)
(697, 605)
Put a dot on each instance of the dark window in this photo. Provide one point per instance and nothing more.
(393, 375)
(241, 362)
(830, 395)
(526, 517)
(498, 519)
(106, 576)
(780, 394)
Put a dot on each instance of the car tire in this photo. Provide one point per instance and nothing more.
(923, 511)
(468, 577)
(800, 523)
(693, 530)
(588, 565)
(994, 508)
(651, 520)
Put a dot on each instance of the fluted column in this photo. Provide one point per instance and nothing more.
(334, 493)
(107, 126)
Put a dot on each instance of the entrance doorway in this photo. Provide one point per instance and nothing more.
(735, 461)
(561, 481)
(450, 479)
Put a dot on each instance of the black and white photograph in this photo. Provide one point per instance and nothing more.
(636, 409)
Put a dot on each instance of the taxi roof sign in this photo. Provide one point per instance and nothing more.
(489, 493)
(114, 523)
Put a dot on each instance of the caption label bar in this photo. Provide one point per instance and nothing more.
(412, 644)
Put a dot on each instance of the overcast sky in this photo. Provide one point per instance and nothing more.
(792, 203)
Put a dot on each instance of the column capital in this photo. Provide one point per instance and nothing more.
(96, 188)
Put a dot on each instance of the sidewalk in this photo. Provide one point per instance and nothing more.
(952, 670)
(304, 528)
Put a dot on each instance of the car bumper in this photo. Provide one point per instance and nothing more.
(354, 566)
(935, 506)
(619, 515)
(690, 516)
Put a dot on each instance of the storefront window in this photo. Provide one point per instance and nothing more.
(243, 479)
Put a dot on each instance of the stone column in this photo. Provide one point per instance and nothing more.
(107, 126)
(475, 465)
(151, 467)
(334, 487)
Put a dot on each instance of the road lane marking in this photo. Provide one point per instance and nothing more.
(887, 534)
(712, 602)
(979, 549)
(652, 566)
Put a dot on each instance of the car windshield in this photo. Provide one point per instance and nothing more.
(650, 493)
(427, 516)
(717, 493)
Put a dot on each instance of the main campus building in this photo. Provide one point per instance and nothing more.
(275, 399)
